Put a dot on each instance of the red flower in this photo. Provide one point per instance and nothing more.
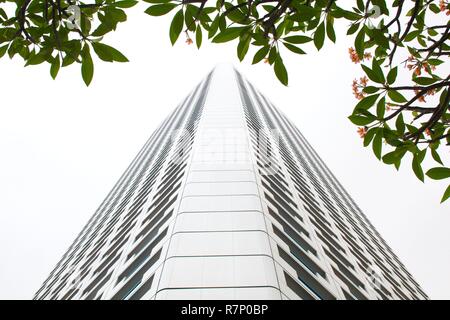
(364, 81)
(362, 132)
(355, 58)
(422, 97)
(418, 71)
(358, 85)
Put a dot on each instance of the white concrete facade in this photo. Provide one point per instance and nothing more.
(227, 200)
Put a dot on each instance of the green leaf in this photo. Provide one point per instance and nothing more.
(243, 45)
(390, 158)
(198, 36)
(424, 81)
(297, 39)
(160, 9)
(115, 15)
(412, 35)
(293, 48)
(37, 58)
(319, 36)
(359, 43)
(214, 26)
(392, 75)
(108, 53)
(396, 96)
(157, 1)
(235, 15)
(435, 62)
(435, 8)
(55, 66)
(101, 30)
(280, 71)
(369, 136)
(305, 12)
(117, 55)
(341, 13)
(376, 68)
(68, 60)
(381, 108)
(367, 102)
(222, 23)
(436, 156)
(379, 37)
(446, 194)
(394, 156)
(370, 89)
(3, 13)
(421, 155)
(377, 144)
(3, 51)
(400, 124)
(261, 54)
(102, 52)
(228, 34)
(353, 28)
(330, 28)
(360, 4)
(125, 4)
(360, 120)
(439, 173)
(371, 74)
(273, 54)
(176, 26)
(87, 66)
(417, 168)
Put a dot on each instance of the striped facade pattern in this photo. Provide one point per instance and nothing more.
(227, 200)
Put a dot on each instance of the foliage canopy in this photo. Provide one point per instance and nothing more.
(402, 47)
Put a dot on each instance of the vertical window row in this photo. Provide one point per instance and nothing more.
(109, 229)
(288, 225)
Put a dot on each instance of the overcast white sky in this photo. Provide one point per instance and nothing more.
(63, 146)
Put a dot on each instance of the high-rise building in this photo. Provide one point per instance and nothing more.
(227, 200)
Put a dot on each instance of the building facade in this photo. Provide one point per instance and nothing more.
(227, 200)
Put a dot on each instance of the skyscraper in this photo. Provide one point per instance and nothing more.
(227, 200)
